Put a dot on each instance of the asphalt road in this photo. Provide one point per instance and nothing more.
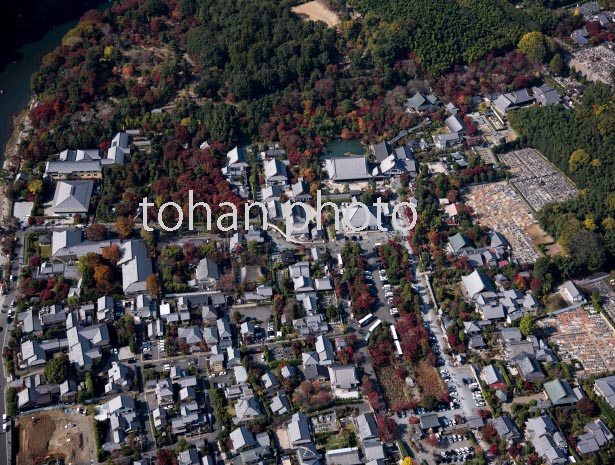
(6, 328)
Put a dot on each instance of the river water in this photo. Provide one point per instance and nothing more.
(15, 78)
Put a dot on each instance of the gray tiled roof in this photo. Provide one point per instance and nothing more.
(347, 168)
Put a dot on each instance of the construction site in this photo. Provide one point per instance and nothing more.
(55, 434)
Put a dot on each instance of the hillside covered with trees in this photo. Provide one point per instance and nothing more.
(580, 143)
(442, 33)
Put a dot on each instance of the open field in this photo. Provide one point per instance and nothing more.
(499, 207)
(429, 381)
(540, 237)
(392, 386)
(47, 436)
(316, 11)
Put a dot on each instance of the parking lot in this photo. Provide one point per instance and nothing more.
(454, 374)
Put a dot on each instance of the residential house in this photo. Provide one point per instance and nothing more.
(105, 307)
(605, 387)
(545, 95)
(155, 329)
(507, 429)
(85, 343)
(210, 336)
(475, 283)
(236, 163)
(596, 435)
(301, 191)
(233, 357)
(271, 193)
(207, 272)
(136, 266)
(164, 392)
(454, 124)
(571, 293)
(548, 441)
(279, 404)
(68, 391)
(492, 376)
(344, 379)
(247, 332)
(242, 439)
(345, 456)
(420, 102)
(120, 378)
(529, 368)
(366, 427)
(324, 349)
(189, 457)
(442, 141)
(246, 409)
(299, 432)
(30, 322)
(276, 172)
(225, 334)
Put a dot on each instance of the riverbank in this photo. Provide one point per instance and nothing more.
(20, 125)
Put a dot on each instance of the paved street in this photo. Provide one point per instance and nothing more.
(11, 267)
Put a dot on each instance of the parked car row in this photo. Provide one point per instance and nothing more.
(458, 455)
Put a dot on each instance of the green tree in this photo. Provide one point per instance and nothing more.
(56, 370)
(89, 384)
(556, 65)
(11, 402)
(527, 324)
(430, 402)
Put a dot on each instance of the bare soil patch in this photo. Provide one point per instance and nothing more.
(46, 436)
(316, 11)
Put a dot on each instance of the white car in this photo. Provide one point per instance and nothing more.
(167, 367)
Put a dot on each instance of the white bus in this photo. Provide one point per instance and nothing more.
(367, 319)
(398, 347)
(394, 333)
(339, 260)
(375, 325)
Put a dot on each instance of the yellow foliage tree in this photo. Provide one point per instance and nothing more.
(407, 461)
(35, 186)
(536, 46)
(123, 226)
(578, 158)
(608, 223)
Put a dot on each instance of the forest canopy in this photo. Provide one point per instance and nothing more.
(580, 143)
(443, 33)
(247, 48)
